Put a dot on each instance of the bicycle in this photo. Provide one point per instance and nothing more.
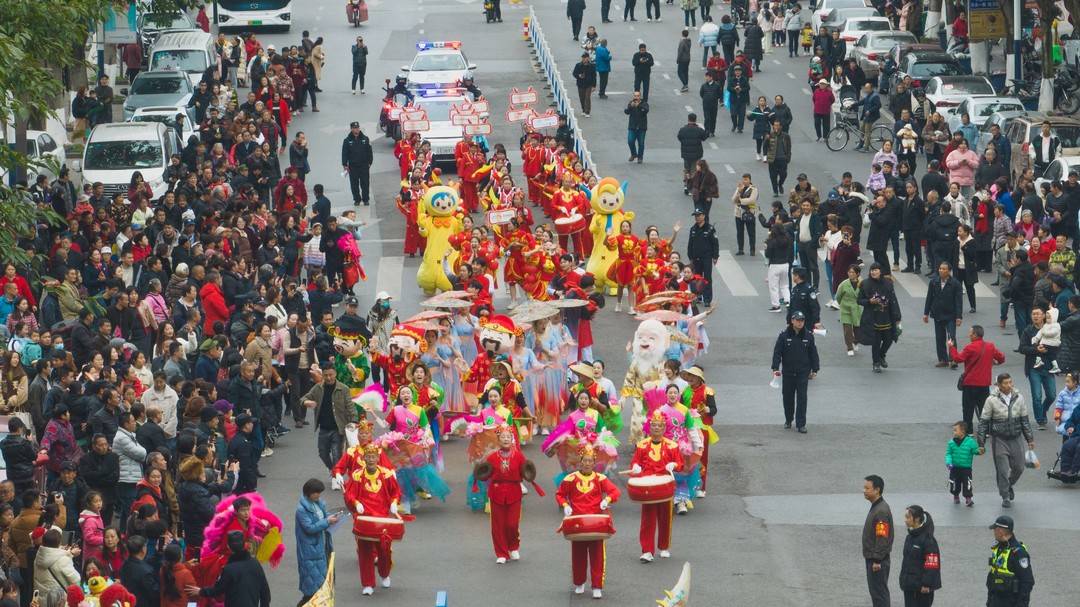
(847, 126)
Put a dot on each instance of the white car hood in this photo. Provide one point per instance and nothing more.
(420, 78)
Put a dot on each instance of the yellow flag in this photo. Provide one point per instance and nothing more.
(268, 545)
(324, 596)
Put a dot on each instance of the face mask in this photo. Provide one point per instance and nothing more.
(384, 304)
(59, 346)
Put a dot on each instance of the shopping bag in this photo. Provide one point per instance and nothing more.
(727, 98)
(1031, 459)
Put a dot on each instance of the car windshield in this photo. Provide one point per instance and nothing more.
(968, 87)
(1068, 136)
(188, 61)
(868, 26)
(438, 62)
(120, 155)
(168, 120)
(161, 21)
(985, 110)
(158, 86)
(438, 111)
(929, 70)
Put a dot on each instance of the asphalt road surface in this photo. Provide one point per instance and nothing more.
(782, 520)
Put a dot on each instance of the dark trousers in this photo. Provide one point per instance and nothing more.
(706, 9)
(1022, 315)
(913, 249)
(628, 10)
(652, 6)
(605, 8)
(968, 277)
(943, 329)
(689, 18)
(729, 53)
(602, 77)
(359, 182)
(741, 225)
(882, 339)
(584, 94)
(738, 119)
(703, 268)
(330, 442)
(575, 25)
(794, 387)
(821, 125)
(125, 496)
(641, 83)
(793, 43)
(914, 598)
(709, 108)
(971, 400)
(960, 481)
(777, 175)
(878, 583)
(882, 257)
(705, 204)
(808, 259)
(635, 138)
(683, 69)
(311, 93)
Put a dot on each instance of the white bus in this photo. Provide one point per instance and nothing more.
(249, 14)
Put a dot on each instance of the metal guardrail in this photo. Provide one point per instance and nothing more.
(548, 66)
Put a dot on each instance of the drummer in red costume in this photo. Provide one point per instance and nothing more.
(701, 398)
(352, 459)
(587, 492)
(569, 202)
(656, 455)
(506, 468)
(372, 491)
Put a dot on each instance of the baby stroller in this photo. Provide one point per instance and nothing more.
(844, 107)
(1055, 473)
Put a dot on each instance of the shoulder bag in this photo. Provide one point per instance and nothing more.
(960, 380)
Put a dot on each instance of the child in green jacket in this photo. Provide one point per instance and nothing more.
(958, 455)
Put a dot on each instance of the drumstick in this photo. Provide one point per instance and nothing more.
(625, 472)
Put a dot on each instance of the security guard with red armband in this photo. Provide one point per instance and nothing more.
(1010, 579)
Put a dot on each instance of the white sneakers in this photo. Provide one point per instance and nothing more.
(515, 555)
(681, 508)
(386, 582)
(368, 591)
(618, 306)
(597, 593)
(579, 589)
(834, 305)
(354, 91)
(700, 493)
(664, 554)
(647, 557)
(851, 352)
(500, 561)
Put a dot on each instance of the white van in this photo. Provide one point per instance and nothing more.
(115, 151)
(189, 51)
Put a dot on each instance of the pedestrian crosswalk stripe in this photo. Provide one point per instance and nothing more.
(390, 275)
(916, 286)
(983, 291)
(731, 273)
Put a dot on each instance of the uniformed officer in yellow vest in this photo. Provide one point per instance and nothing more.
(1010, 579)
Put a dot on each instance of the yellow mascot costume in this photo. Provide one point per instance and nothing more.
(607, 201)
(437, 222)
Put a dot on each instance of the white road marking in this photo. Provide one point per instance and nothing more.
(389, 275)
(729, 168)
(689, 108)
(731, 273)
(983, 291)
(632, 28)
(640, 41)
(666, 76)
(790, 75)
(713, 145)
(421, 32)
(806, 92)
(911, 283)
(776, 61)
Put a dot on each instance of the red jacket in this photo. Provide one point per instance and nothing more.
(214, 308)
(298, 187)
(504, 486)
(376, 493)
(979, 358)
(584, 493)
(822, 100)
(654, 458)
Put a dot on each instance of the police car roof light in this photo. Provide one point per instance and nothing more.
(427, 46)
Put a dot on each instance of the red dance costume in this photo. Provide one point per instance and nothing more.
(517, 242)
(504, 493)
(376, 492)
(352, 460)
(467, 165)
(653, 459)
(702, 399)
(396, 370)
(583, 493)
(403, 151)
(629, 247)
(564, 204)
(414, 242)
(532, 164)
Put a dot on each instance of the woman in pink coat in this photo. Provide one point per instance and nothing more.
(962, 163)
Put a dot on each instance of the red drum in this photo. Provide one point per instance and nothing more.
(587, 527)
(651, 489)
(373, 528)
(570, 225)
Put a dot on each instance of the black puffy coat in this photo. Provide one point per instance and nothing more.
(881, 224)
(199, 503)
(1069, 354)
(19, 455)
(921, 566)
(752, 41)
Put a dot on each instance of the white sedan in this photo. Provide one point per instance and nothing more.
(438, 65)
(1058, 170)
(855, 27)
(946, 92)
(40, 147)
(981, 107)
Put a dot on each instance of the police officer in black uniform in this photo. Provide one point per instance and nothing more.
(1010, 579)
(703, 249)
(795, 359)
(356, 158)
(804, 298)
(470, 87)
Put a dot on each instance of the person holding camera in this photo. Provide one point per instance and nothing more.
(637, 123)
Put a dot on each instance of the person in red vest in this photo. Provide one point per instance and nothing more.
(587, 492)
(656, 455)
(701, 398)
(372, 491)
(505, 469)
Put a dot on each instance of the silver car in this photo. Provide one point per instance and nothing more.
(438, 65)
(872, 48)
(1002, 120)
(171, 88)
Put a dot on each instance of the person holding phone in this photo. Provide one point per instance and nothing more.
(313, 539)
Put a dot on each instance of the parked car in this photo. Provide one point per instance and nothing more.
(980, 107)
(828, 12)
(948, 91)
(856, 27)
(150, 25)
(116, 150)
(40, 146)
(167, 115)
(171, 88)
(1058, 170)
(1023, 129)
(1002, 120)
(922, 62)
(870, 50)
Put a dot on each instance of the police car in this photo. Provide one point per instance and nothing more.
(438, 65)
(442, 133)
